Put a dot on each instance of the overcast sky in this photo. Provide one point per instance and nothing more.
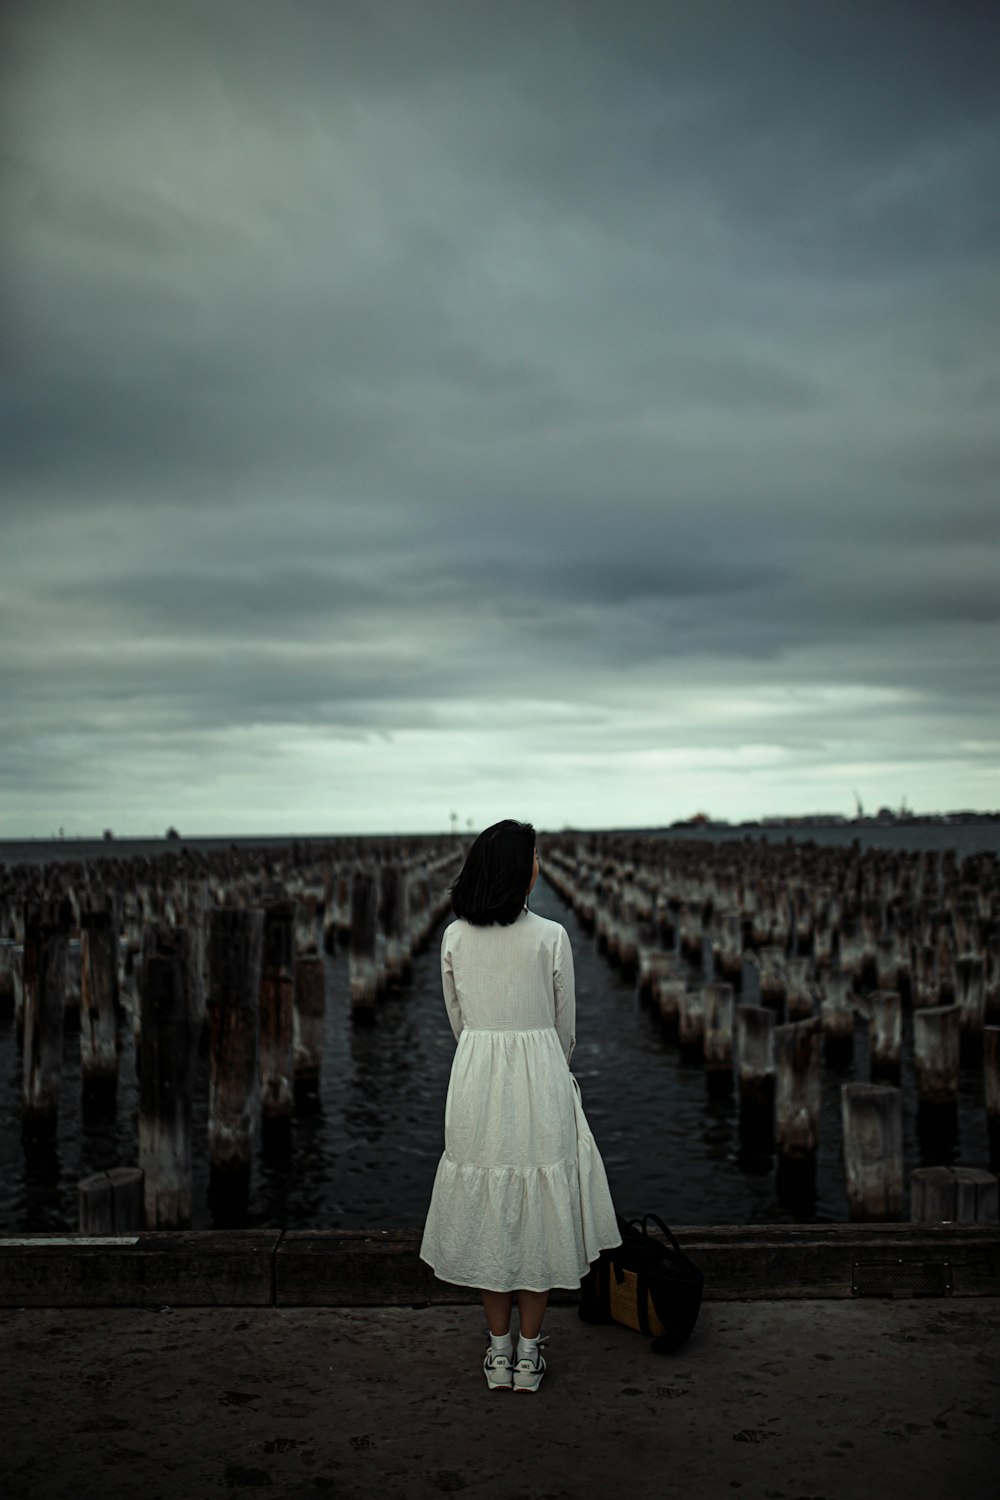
(580, 412)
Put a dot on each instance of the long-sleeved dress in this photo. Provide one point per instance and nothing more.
(520, 1196)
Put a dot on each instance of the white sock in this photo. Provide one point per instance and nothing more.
(528, 1348)
(500, 1343)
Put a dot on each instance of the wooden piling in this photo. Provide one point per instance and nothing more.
(800, 998)
(669, 998)
(7, 986)
(836, 1010)
(691, 1025)
(755, 1049)
(797, 1058)
(970, 996)
(235, 951)
(953, 1195)
(310, 1005)
(628, 945)
(872, 1125)
(277, 1011)
(718, 1037)
(991, 1091)
(936, 1053)
(885, 1035)
(169, 1045)
(71, 1000)
(727, 948)
(886, 963)
(655, 965)
(773, 979)
(925, 982)
(361, 956)
(111, 1202)
(99, 1049)
(46, 934)
(392, 915)
(977, 1200)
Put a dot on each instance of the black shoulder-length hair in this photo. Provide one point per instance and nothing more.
(493, 885)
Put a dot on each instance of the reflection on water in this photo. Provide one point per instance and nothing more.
(365, 1158)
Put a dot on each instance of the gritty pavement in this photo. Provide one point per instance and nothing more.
(788, 1400)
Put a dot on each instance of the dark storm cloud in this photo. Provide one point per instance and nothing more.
(367, 363)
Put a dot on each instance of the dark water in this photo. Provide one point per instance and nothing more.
(907, 838)
(964, 838)
(367, 1159)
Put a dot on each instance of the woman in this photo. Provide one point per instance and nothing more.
(520, 1199)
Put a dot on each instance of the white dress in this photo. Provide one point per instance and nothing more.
(520, 1196)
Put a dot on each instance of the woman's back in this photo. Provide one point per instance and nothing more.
(509, 978)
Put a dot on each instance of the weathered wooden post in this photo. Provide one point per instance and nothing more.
(614, 925)
(654, 965)
(836, 1009)
(7, 984)
(932, 1195)
(886, 962)
(936, 1053)
(310, 1005)
(669, 997)
(970, 996)
(991, 1091)
(953, 1195)
(822, 932)
(71, 1004)
(196, 920)
(977, 1196)
(936, 1050)
(885, 1035)
(361, 956)
(418, 904)
(235, 948)
(628, 946)
(277, 1009)
(850, 947)
(691, 1025)
(602, 915)
(99, 1004)
(392, 914)
(46, 933)
(755, 1049)
(925, 982)
(800, 1001)
(727, 948)
(664, 917)
(773, 980)
(797, 1060)
(169, 1045)
(872, 1123)
(718, 1042)
(691, 934)
(110, 1202)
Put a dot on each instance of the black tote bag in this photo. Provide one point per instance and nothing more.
(644, 1284)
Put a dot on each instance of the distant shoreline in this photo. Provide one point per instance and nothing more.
(966, 833)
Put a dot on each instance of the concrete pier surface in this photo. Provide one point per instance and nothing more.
(824, 1399)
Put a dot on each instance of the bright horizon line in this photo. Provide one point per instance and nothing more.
(828, 818)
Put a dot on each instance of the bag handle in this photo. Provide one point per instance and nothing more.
(641, 1224)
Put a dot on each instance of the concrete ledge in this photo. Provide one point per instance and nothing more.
(358, 1268)
(843, 1260)
(227, 1268)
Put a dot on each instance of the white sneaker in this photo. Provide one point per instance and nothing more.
(498, 1369)
(528, 1373)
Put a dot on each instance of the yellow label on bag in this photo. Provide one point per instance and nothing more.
(624, 1304)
